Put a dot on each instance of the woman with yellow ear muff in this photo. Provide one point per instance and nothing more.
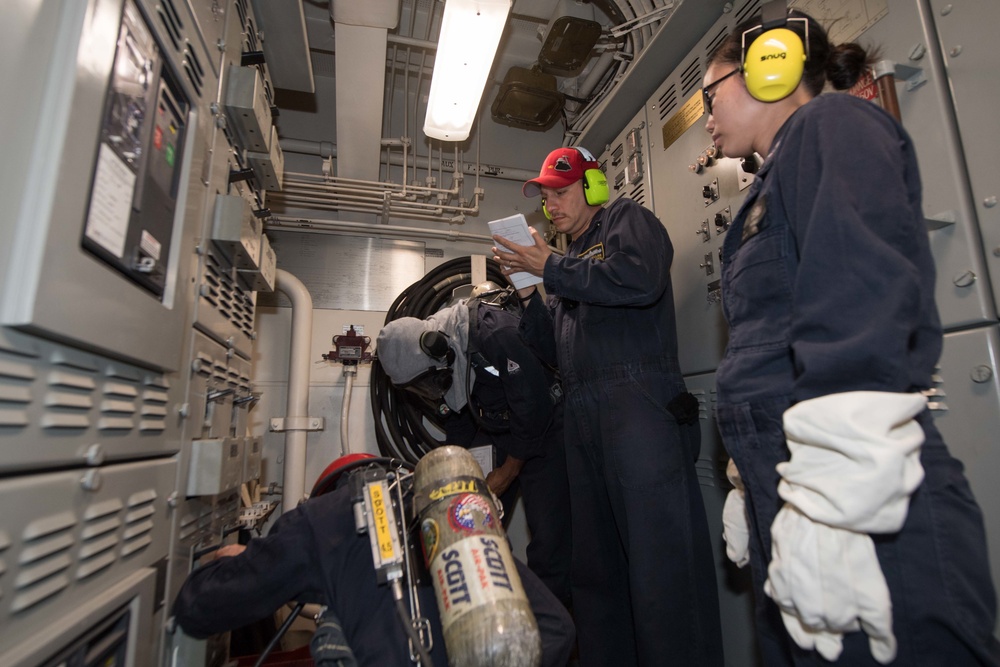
(865, 542)
(643, 581)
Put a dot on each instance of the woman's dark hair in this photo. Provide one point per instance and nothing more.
(842, 65)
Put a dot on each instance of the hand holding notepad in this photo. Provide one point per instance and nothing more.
(515, 229)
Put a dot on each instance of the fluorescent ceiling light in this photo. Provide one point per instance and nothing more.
(470, 35)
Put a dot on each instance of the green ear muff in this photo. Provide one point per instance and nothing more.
(595, 187)
(773, 65)
(546, 211)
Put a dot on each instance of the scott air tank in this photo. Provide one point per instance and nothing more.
(485, 614)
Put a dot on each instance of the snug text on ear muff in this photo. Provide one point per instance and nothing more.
(774, 64)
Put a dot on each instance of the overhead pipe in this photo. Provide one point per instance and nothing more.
(326, 149)
(330, 193)
(313, 226)
(297, 405)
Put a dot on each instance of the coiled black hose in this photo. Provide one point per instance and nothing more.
(402, 417)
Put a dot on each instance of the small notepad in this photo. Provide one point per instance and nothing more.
(515, 230)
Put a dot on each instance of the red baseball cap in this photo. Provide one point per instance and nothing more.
(563, 166)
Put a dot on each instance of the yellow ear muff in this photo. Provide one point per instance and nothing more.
(774, 64)
(546, 211)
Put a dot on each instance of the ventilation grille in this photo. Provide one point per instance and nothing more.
(170, 19)
(193, 69)
(45, 562)
(195, 523)
(174, 28)
(667, 102)
(139, 525)
(69, 548)
(100, 537)
(747, 10)
(16, 376)
(251, 42)
(226, 296)
(243, 10)
(691, 77)
(119, 399)
(638, 194)
(714, 43)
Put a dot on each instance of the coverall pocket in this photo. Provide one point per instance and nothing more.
(755, 439)
(757, 291)
(646, 447)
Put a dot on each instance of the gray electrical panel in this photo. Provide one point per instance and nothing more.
(695, 193)
(99, 225)
(735, 589)
(74, 533)
(966, 405)
(126, 313)
(625, 163)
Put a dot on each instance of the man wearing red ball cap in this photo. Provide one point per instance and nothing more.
(643, 575)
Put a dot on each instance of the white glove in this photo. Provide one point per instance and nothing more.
(735, 528)
(855, 461)
(827, 582)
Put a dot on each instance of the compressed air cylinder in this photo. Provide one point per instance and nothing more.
(485, 614)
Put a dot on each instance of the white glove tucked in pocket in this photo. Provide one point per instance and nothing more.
(855, 462)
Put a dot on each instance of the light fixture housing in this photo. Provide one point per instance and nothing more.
(470, 35)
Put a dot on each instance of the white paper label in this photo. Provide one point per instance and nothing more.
(110, 202)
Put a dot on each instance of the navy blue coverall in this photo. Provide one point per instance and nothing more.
(644, 590)
(516, 397)
(828, 287)
(313, 554)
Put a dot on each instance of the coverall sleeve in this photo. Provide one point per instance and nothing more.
(231, 592)
(526, 385)
(634, 271)
(538, 331)
(858, 298)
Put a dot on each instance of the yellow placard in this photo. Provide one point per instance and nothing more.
(382, 529)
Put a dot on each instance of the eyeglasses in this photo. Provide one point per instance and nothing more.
(706, 98)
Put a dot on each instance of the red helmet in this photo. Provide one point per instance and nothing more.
(327, 481)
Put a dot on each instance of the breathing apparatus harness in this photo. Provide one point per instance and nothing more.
(382, 502)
